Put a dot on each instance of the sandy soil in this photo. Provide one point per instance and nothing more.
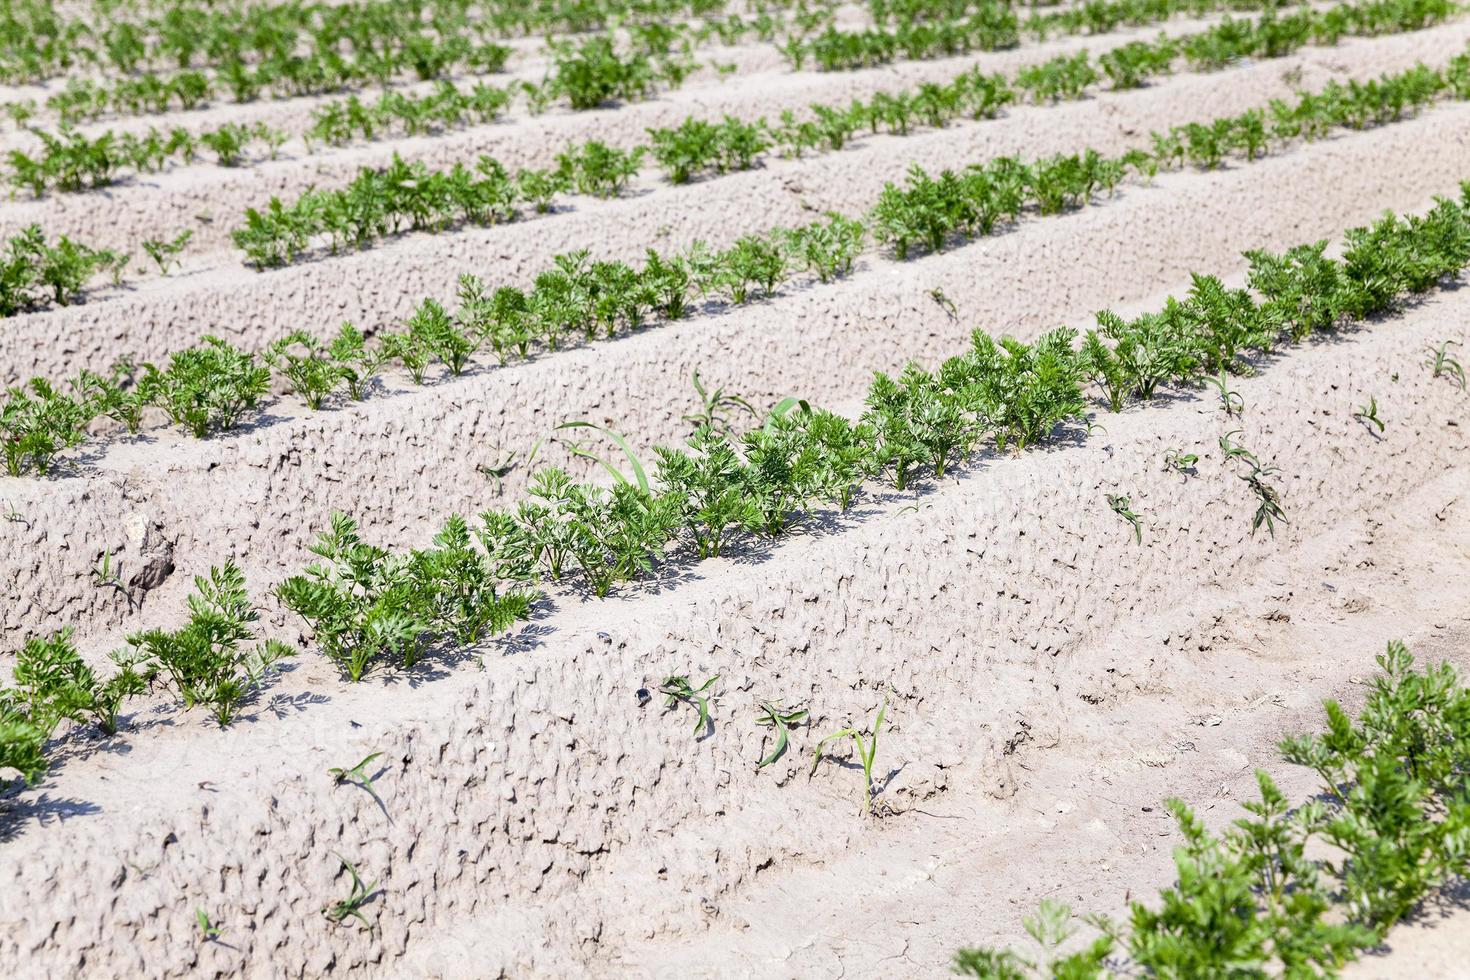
(126, 213)
(1049, 682)
(377, 288)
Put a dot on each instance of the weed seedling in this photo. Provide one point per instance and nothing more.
(1120, 505)
(677, 689)
(1442, 362)
(1234, 450)
(1230, 401)
(108, 574)
(207, 929)
(773, 715)
(1268, 511)
(945, 303)
(867, 749)
(1180, 462)
(713, 405)
(357, 774)
(499, 471)
(1369, 414)
(351, 906)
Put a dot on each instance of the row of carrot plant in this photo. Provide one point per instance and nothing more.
(70, 161)
(380, 203)
(994, 26)
(212, 387)
(370, 608)
(1293, 890)
(587, 74)
(375, 38)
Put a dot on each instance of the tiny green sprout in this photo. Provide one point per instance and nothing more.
(1180, 461)
(773, 715)
(351, 906)
(13, 515)
(1230, 400)
(165, 253)
(714, 405)
(1441, 362)
(207, 929)
(1234, 450)
(1268, 510)
(357, 774)
(108, 574)
(1369, 414)
(945, 303)
(499, 471)
(867, 749)
(1120, 505)
(677, 689)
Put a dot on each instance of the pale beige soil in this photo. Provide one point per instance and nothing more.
(122, 215)
(157, 495)
(378, 288)
(1050, 683)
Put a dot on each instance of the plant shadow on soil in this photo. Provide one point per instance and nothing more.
(19, 814)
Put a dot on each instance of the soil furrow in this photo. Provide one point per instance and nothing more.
(378, 288)
(401, 463)
(569, 825)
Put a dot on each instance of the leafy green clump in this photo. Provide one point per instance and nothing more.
(35, 275)
(208, 662)
(1259, 900)
(366, 605)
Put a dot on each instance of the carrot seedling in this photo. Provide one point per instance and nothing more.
(774, 716)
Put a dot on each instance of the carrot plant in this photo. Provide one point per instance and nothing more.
(1296, 889)
(165, 252)
(366, 605)
(35, 274)
(37, 423)
(22, 741)
(208, 662)
(209, 388)
(307, 364)
(55, 683)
